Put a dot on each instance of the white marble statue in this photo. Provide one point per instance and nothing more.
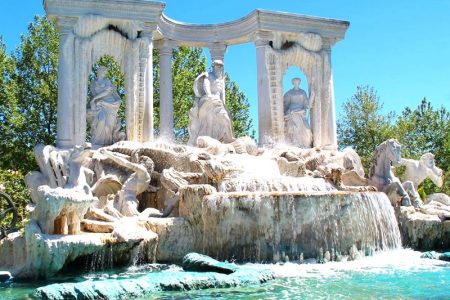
(102, 114)
(386, 156)
(296, 108)
(209, 116)
(140, 168)
(418, 170)
(60, 191)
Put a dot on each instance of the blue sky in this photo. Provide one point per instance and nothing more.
(401, 48)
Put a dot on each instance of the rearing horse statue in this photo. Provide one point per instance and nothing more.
(418, 170)
(386, 156)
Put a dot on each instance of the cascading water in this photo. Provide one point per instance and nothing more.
(276, 184)
(263, 226)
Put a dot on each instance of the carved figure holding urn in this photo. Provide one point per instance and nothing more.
(209, 116)
(296, 107)
(102, 114)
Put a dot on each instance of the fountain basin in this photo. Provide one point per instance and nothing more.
(275, 225)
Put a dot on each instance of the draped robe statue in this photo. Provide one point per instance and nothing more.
(102, 114)
(296, 107)
(209, 116)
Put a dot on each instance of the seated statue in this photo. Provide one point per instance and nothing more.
(102, 114)
(296, 106)
(209, 116)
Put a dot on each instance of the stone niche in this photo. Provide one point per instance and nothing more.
(88, 30)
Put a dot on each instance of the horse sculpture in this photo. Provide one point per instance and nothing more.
(418, 170)
(386, 156)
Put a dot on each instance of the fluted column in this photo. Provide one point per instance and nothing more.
(165, 90)
(65, 120)
(147, 114)
(264, 111)
(329, 134)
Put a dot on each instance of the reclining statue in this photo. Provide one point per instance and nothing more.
(209, 116)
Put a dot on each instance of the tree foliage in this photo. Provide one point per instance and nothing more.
(426, 129)
(362, 126)
(30, 117)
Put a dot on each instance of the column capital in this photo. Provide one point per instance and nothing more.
(262, 38)
(165, 46)
(327, 43)
(66, 24)
(148, 29)
(217, 51)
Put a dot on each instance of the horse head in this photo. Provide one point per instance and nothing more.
(393, 152)
(433, 172)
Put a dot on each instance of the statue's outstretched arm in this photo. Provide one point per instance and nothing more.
(120, 160)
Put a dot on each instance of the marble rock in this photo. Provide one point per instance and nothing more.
(97, 226)
(60, 211)
(146, 285)
(439, 197)
(196, 262)
(422, 231)
(175, 238)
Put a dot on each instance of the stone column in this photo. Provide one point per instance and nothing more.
(329, 130)
(165, 90)
(65, 121)
(217, 51)
(146, 116)
(264, 111)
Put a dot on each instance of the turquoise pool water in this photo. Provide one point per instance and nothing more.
(399, 274)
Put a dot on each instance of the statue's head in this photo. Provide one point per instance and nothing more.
(296, 82)
(394, 149)
(433, 171)
(101, 72)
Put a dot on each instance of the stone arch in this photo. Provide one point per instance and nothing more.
(310, 55)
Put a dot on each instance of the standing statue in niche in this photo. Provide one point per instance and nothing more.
(209, 116)
(296, 107)
(102, 114)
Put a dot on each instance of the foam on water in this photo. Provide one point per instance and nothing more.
(382, 262)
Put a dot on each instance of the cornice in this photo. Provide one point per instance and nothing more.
(243, 30)
(137, 10)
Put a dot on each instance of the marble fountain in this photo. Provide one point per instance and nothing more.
(126, 196)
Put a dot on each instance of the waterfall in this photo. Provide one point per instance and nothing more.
(263, 226)
(277, 184)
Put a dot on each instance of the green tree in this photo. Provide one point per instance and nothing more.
(187, 64)
(426, 129)
(31, 117)
(362, 125)
(238, 105)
